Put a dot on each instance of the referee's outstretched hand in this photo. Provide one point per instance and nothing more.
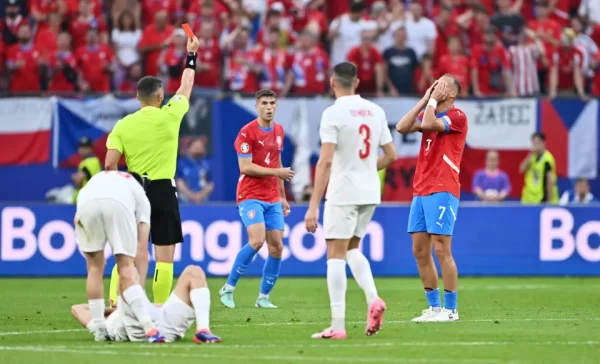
(285, 174)
(193, 44)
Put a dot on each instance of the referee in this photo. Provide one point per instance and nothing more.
(149, 139)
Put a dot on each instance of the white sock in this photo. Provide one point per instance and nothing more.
(361, 270)
(97, 309)
(337, 283)
(200, 298)
(135, 298)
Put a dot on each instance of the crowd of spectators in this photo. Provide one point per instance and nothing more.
(497, 48)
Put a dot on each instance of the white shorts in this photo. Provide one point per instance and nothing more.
(104, 219)
(345, 222)
(175, 318)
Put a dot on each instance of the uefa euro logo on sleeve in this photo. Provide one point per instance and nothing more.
(244, 148)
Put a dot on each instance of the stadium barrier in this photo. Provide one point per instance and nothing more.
(38, 240)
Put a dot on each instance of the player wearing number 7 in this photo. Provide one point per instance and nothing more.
(351, 130)
(261, 197)
(436, 192)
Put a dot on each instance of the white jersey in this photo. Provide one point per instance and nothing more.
(120, 187)
(358, 127)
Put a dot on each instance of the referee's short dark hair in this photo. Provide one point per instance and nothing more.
(538, 135)
(148, 86)
(345, 74)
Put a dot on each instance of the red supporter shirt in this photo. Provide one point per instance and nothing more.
(550, 28)
(561, 12)
(365, 63)
(73, 7)
(440, 156)
(44, 7)
(174, 58)
(45, 40)
(92, 62)
(154, 37)
(286, 37)
(264, 146)
(240, 77)
(58, 82)
(79, 28)
(27, 77)
(306, 17)
(489, 62)
(209, 53)
(151, 7)
(441, 42)
(310, 71)
(456, 65)
(275, 64)
(567, 58)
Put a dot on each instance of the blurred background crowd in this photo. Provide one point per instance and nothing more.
(495, 47)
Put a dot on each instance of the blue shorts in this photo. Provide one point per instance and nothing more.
(256, 212)
(435, 214)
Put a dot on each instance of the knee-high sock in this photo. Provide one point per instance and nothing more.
(270, 275)
(113, 289)
(243, 258)
(200, 298)
(163, 280)
(337, 283)
(361, 270)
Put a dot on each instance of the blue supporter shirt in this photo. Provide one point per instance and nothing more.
(194, 172)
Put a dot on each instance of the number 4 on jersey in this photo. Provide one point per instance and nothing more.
(365, 133)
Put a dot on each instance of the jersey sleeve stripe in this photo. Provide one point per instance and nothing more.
(244, 155)
(447, 122)
(450, 163)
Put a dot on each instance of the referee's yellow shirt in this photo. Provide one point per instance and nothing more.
(149, 138)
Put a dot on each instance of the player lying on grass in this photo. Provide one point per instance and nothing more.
(436, 190)
(113, 206)
(189, 301)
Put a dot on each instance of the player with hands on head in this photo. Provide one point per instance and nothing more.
(352, 130)
(260, 197)
(436, 192)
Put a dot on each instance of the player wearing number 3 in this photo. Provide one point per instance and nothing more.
(352, 130)
(261, 197)
(436, 187)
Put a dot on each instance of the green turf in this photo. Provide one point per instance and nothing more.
(521, 320)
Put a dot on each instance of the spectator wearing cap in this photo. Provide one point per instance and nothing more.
(63, 66)
(88, 167)
(126, 36)
(455, 62)
(508, 21)
(274, 21)
(401, 62)
(155, 37)
(421, 31)
(13, 19)
(23, 61)
(193, 175)
(95, 60)
(310, 66)
(567, 69)
(548, 32)
(524, 57)
(490, 66)
(369, 63)
(473, 23)
(579, 195)
(345, 31)
(86, 20)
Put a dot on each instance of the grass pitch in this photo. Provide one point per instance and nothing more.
(520, 320)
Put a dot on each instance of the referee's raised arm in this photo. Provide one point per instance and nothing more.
(149, 139)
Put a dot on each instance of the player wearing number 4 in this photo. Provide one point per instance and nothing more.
(436, 188)
(261, 197)
(351, 130)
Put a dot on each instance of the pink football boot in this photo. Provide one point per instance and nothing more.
(329, 333)
(375, 316)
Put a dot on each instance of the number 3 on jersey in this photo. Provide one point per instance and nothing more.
(365, 133)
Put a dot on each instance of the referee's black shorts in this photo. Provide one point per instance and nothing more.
(165, 221)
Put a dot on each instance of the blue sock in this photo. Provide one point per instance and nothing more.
(243, 258)
(450, 299)
(270, 275)
(433, 297)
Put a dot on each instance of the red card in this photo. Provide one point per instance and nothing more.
(188, 30)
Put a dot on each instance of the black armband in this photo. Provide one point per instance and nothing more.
(190, 61)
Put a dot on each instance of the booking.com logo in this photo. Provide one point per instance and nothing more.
(217, 242)
(570, 241)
